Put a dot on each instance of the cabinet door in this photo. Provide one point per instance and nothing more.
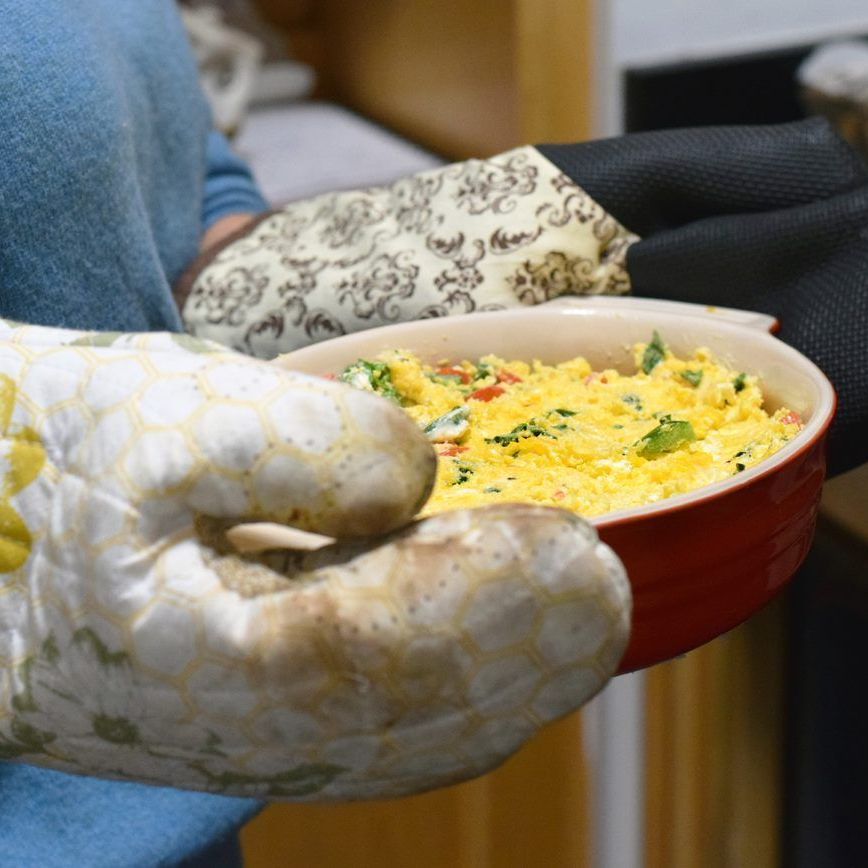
(532, 811)
(714, 747)
(465, 78)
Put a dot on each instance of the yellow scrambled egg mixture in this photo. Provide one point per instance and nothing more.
(564, 435)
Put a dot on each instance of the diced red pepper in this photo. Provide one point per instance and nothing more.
(508, 377)
(451, 449)
(447, 371)
(329, 376)
(594, 377)
(559, 495)
(792, 418)
(487, 393)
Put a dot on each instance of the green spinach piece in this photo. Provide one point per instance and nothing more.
(483, 370)
(521, 432)
(464, 473)
(450, 426)
(654, 353)
(668, 436)
(444, 379)
(634, 401)
(371, 377)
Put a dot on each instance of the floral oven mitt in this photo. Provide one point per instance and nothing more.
(137, 643)
(474, 236)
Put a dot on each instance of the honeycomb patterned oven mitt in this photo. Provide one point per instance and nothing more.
(474, 236)
(137, 642)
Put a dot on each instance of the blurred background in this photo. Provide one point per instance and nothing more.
(752, 750)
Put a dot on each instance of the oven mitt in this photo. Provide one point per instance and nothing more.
(769, 218)
(474, 236)
(137, 643)
(766, 218)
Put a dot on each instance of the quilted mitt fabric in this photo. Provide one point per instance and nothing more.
(138, 644)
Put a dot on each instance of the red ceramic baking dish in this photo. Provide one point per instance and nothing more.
(699, 563)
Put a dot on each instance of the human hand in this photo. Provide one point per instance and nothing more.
(137, 643)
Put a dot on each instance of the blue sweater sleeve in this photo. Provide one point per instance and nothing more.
(229, 184)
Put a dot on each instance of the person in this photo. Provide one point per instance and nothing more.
(110, 176)
(137, 644)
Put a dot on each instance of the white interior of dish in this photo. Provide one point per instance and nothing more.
(605, 335)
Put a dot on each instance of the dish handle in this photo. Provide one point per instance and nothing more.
(752, 319)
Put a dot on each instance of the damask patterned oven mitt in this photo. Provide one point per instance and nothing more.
(136, 642)
(474, 236)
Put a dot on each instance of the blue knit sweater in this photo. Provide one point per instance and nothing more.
(108, 176)
(108, 170)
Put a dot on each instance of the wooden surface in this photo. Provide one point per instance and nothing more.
(441, 72)
(460, 77)
(715, 751)
(533, 811)
(845, 501)
(555, 54)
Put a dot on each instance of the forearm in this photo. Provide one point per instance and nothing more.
(229, 188)
(224, 228)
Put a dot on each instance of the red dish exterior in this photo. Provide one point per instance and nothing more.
(702, 568)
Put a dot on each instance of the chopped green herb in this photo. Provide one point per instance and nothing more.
(491, 490)
(634, 401)
(483, 370)
(450, 426)
(654, 353)
(561, 427)
(666, 437)
(371, 377)
(692, 377)
(739, 382)
(444, 379)
(562, 412)
(520, 432)
(464, 473)
(739, 467)
(617, 426)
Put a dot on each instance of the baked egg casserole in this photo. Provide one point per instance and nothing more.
(590, 441)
